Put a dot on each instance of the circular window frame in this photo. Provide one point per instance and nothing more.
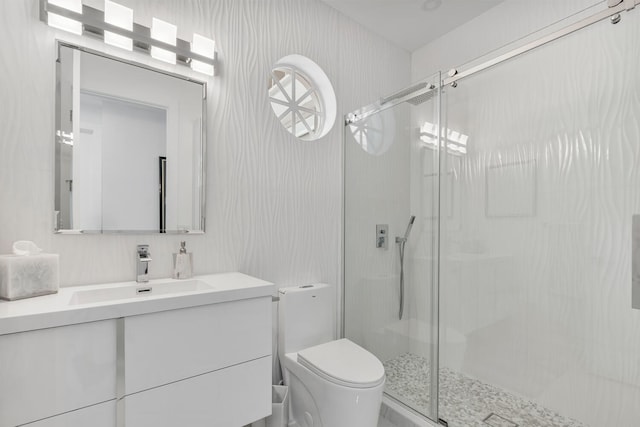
(302, 97)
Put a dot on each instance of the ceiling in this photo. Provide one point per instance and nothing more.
(411, 24)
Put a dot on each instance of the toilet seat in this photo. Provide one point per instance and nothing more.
(343, 362)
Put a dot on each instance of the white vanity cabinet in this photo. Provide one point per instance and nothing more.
(100, 415)
(196, 358)
(48, 372)
(202, 366)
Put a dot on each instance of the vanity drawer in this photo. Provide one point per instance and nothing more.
(102, 415)
(234, 396)
(47, 372)
(169, 346)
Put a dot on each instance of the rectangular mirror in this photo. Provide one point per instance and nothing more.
(129, 147)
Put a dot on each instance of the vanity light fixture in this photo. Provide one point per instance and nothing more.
(205, 47)
(122, 17)
(166, 33)
(72, 5)
(66, 23)
(116, 27)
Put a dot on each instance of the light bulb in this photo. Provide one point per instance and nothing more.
(203, 46)
(119, 16)
(166, 33)
(62, 22)
(201, 67)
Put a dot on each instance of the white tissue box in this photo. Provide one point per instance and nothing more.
(28, 276)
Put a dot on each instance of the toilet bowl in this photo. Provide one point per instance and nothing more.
(332, 383)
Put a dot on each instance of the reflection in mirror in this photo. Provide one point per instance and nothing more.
(129, 147)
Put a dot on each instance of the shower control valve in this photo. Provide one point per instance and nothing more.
(382, 239)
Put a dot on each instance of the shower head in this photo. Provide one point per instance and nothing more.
(411, 220)
(423, 97)
(404, 92)
(402, 240)
(421, 92)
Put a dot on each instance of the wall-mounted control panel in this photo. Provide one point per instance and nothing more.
(382, 236)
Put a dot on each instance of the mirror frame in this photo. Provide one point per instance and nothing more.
(56, 152)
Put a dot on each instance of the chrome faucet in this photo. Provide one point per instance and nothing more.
(142, 264)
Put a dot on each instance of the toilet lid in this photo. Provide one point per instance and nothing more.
(343, 362)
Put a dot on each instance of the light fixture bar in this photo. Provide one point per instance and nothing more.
(93, 23)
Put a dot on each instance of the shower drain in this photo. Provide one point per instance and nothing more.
(496, 420)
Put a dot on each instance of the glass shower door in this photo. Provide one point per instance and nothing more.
(390, 240)
(537, 327)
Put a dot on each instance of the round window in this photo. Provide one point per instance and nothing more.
(302, 97)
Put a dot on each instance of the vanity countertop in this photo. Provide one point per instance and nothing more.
(63, 308)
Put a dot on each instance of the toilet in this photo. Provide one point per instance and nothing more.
(332, 383)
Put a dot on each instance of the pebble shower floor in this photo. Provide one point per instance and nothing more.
(464, 401)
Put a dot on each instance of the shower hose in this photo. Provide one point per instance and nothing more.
(401, 243)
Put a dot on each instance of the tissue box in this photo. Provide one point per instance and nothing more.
(28, 276)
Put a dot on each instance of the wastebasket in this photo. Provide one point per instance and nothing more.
(279, 406)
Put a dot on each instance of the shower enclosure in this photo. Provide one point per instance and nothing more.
(523, 180)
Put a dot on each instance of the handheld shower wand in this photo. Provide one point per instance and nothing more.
(401, 241)
(406, 233)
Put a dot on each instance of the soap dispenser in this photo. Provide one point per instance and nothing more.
(182, 263)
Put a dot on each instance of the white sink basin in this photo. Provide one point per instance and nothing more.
(137, 291)
(91, 303)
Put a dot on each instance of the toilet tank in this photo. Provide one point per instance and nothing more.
(306, 317)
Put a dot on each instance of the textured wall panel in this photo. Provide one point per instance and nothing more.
(273, 203)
